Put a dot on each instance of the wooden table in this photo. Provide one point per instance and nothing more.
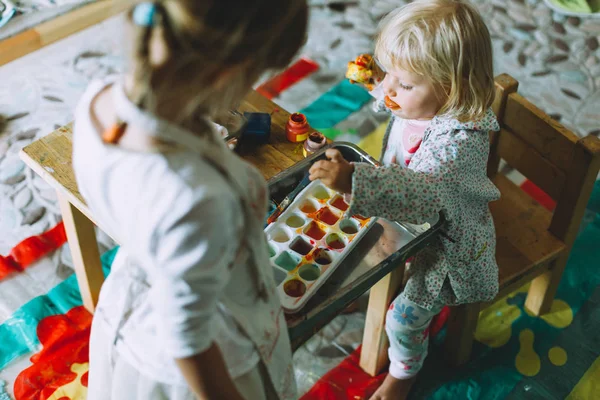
(50, 157)
(58, 28)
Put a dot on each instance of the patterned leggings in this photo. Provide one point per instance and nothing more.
(407, 328)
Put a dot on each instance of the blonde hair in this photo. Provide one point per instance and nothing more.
(447, 42)
(203, 39)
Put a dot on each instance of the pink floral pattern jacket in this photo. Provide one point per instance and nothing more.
(448, 174)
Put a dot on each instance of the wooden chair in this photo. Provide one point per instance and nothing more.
(533, 244)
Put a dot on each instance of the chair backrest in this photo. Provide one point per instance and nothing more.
(548, 154)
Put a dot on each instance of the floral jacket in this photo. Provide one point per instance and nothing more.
(447, 173)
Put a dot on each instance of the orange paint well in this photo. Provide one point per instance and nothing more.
(314, 231)
(308, 208)
(327, 216)
(340, 204)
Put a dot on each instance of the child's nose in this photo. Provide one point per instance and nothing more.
(387, 90)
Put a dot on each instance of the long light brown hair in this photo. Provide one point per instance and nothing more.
(202, 39)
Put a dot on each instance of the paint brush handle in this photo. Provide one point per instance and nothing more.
(289, 198)
(280, 208)
(303, 183)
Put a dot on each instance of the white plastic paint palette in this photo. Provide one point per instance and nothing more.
(308, 242)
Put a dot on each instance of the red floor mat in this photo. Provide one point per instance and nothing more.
(346, 381)
(538, 195)
(296, 72)
(31, 250)
(349, 381)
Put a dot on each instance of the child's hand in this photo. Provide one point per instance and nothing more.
(335, 173)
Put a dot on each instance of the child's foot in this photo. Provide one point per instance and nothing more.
(393, 389)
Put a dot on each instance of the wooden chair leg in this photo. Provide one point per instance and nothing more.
(543, 288)
(373, 356)
(84, 252)
(461, 332)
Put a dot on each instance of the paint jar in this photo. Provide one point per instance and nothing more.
(297, 128)
(258, 129)
(315, 141)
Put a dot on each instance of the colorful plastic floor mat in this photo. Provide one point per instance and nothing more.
(517, 355)
(57, 328)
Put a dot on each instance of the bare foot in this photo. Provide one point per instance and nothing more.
(393, 389)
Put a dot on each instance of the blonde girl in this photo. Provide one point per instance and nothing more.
(189, 310)
(438, 86)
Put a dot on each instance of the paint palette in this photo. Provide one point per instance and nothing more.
(309, 241)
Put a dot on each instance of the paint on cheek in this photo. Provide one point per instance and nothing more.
(389, 103)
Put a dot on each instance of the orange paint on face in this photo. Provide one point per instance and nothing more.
(389, 103)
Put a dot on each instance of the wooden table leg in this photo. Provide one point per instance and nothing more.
(460, 333)
(374, 356)
(84, 252)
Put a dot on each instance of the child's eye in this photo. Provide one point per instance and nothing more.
(405, 87)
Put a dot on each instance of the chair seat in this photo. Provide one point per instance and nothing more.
(524, 245)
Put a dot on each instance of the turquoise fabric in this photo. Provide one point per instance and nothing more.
(18, 334)
(3, 394)
(336, 105)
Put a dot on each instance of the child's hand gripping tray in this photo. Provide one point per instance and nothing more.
(309, 240)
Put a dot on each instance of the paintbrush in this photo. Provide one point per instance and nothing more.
(289, 198)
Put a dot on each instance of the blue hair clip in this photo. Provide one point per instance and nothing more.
(143, 14)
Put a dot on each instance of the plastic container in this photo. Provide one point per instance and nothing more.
(309, 240)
